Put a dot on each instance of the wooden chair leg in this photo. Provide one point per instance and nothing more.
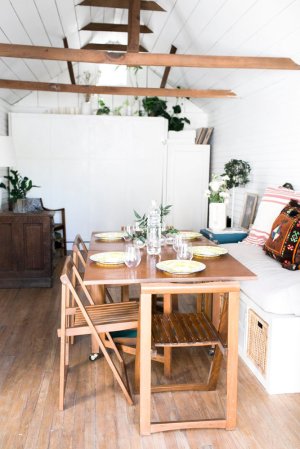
(174, 305)
(62, 371)
(199, 298)
(124, 387)
(215, 369)
(125, 293)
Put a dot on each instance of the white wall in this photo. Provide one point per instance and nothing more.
(263, 129)
(99, 168)
(4, 109)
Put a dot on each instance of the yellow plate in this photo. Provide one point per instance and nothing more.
(190, 235)
(109, 258)
(180, 266)
(110, 236)
(208, 251)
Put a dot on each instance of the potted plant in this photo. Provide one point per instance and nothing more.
(103, 109)
(238, 172)
(217, 194)
(17, 188)
(156, 107)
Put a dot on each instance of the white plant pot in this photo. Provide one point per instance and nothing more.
(217, 216)
(86, 108)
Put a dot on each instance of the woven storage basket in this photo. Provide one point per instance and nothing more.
(257, 340)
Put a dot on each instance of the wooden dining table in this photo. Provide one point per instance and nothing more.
(224, 268)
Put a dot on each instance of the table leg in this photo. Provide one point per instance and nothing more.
(145, 364)
(232, 360)
(168, 305)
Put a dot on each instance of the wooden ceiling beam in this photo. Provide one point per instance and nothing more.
(134, 26)
(69, 63)
(167, 69)
(122, 4)
(146, 59)
(111, 47)
(110, 90)
(113, 27)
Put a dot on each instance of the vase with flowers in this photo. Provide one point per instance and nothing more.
(217, 194)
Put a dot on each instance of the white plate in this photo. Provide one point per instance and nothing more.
(209, 251)
(180, 266)
(190, 235)
(110, 236)
(109, 258)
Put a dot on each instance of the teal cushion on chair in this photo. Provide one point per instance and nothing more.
(130, 333)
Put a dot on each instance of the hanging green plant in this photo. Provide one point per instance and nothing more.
(156, 107)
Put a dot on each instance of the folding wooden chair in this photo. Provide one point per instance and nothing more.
(96, 320)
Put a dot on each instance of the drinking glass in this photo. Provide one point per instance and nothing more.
(129, 231)
(177, 242)
(132, 256)
(185, 251)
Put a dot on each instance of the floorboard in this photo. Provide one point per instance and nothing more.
(96, 414)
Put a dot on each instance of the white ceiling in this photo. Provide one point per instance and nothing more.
(213, 27)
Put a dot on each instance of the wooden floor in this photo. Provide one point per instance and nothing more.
(97, 415)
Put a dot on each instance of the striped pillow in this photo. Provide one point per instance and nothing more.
(272, 202)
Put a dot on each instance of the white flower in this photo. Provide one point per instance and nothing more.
(215, 185)
(217, 189)
(225, 177)
(224, 195)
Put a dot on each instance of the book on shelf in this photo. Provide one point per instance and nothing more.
(207, 136)
(203, 136)
(200, 136)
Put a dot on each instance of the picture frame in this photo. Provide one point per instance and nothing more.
(249, 210)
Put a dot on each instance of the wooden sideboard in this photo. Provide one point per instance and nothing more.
(26, 249)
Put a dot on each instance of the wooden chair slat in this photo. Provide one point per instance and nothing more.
(175, 322)
(156, 329)
(196, 326)
(183, 329)
(187, 328)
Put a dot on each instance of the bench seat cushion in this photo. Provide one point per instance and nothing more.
(275, 290)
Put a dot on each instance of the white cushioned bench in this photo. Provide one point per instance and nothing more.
(275, 298)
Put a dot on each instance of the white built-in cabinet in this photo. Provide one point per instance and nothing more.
(187, 180)
(101, 168)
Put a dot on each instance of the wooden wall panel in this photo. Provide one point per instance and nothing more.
(33, 239)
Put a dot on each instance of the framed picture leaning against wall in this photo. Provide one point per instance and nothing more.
(249, 210)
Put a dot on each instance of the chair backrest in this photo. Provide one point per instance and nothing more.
(80, 251)
(69, 273)
(69, 291)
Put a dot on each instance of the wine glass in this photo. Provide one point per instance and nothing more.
(185, 251)
(132, 256)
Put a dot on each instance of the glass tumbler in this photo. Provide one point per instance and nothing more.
(185, 251)
(132, 256)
